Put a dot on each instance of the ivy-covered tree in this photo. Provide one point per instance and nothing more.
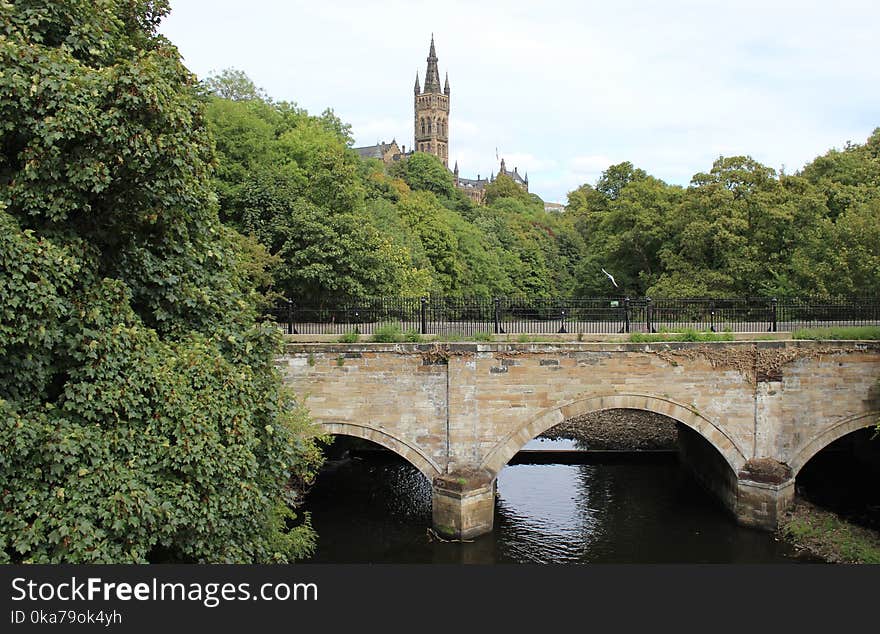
(141, 418)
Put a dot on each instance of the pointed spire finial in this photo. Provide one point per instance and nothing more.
(446, 87)
(417, 87)
(432, 76)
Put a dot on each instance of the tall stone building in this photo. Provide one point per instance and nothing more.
(431, 125)
(431, 112)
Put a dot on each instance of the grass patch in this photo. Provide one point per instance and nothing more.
(388, 333)
(412, 335)
(482, 336)
(688, 334)
(839, 332)
(828, 536)
(391, 333)
(350, 337)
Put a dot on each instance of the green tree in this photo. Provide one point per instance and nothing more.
(287, 179)
(425, 172)
(504, 187)
(626, 238)
(847, 177)
(141, 418)
(617, 177)
(234, 85)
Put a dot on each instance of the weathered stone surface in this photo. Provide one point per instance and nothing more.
(765, 470)
(463, 505)
(761, 505)
(484, 401)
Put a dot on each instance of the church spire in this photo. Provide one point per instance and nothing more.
(432, 77)
(446, 87)
(418, 88)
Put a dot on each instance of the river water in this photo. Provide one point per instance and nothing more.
(376, 508)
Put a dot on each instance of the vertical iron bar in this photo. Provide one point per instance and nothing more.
(648, 315)
(773, 314)
(423, 314)
(289, 316)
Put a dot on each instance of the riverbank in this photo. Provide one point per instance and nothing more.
(828, 536)
(618, 429)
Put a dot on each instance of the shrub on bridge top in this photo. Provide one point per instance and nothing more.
(141, 418)
(388, 333)
(412, 335)
(350, 337)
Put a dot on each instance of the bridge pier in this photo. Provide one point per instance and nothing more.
(760, 502)
(464, 504)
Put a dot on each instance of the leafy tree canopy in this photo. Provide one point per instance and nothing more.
(425, 172)
(142, 419)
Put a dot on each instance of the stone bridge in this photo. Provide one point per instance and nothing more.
(756, 411)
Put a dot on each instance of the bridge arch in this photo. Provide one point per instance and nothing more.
(688, 416)
(840, 429)
(405, 450)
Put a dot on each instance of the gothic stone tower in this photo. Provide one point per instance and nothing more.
(432, 112)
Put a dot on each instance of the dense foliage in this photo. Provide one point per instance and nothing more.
(740, 229)
(339, 225)
(141, 418)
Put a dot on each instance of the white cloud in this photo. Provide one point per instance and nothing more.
(370, 131)
(668, 86)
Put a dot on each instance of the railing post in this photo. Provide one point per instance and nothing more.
(289, 316)
(626, 314)
(497, 311)
(648, 315)
(774, 304)
(562, 329)
(711, 316)
(423, 314)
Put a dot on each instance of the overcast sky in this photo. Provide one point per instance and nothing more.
(565, 89)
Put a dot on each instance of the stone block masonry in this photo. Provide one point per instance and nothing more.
(460, 409)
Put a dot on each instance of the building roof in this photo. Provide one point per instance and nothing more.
(514, 174)
(374, 151)
(473, 183)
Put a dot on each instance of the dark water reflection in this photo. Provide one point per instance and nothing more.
(647, 510)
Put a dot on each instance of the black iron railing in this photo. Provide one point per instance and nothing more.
(473, 316)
